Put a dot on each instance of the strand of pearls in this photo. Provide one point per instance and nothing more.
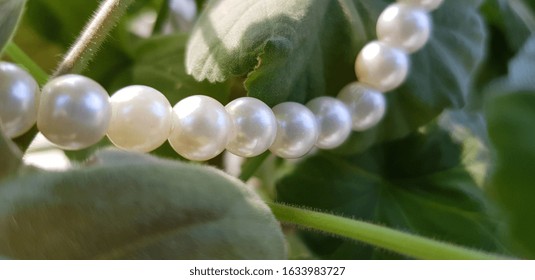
(75, 112)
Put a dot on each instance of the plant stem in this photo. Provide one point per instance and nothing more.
(397, 241)
(18, 55)
(251, 165)
(93, 35)
(163, 14)
(10, 155)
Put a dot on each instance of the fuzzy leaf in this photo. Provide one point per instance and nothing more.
(159, 62)
(297, 50)
(417, 184)
(129, 206)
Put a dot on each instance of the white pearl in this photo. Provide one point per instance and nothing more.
(426, 4)
(141, 118)
(366, 104)
(404, 26)
(74, 112)
(297, 130)
(19, 99)
(255, 127)
(201, 128)
(382, 66)
(334, 121)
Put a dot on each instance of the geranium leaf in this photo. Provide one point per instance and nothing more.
(298, 50)
(130, 206)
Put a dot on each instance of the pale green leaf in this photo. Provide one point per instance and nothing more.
(133, 206)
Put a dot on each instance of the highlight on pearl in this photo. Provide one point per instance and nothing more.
(297, 130)
(381, 66)
(74, 112)
(254, 124)
(334, 121)
(19, 99)
(404, 26)
(141, 118)
(201, 128)
(367, 105)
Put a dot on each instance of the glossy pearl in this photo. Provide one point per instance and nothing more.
(334, 121)
(74, 112)
(426, 4)
(201, 128)
(367, 105)
(19, 98)
(297, 130)
(141, 119)
(404, 26)
(255, 127)
(382, 66)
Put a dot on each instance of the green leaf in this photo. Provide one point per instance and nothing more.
(520, 76)
(159, 62)
(469, 130)
(510, 114)
(133, 206)
(510, 119)
(10, 13)
(504, 15)
(297, 50)
(417, 184)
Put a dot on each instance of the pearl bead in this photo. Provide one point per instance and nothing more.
(141, 119)
(297, 130)
(366, 104)
(426, 4)
(381, 66)
(404, 26)
(19, 98)
(201, 128)
(255, 127)
(74, 112)
(334, 121)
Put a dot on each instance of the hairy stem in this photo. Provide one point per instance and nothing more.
(93, 35)
(15, 53)
(397, 241)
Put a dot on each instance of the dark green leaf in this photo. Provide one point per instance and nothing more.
(159, 62)
(469, 130)
(504, 15)
(510, 114)
(297, 50)
(510, 119)
(129, 206)
(10, 13)
(417, 184)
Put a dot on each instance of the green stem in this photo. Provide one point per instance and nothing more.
(163, 13)
(397, 241)
(18, 55)
(92, 37)
(250, 167)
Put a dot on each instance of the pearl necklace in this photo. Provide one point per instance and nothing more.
(75, 112)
